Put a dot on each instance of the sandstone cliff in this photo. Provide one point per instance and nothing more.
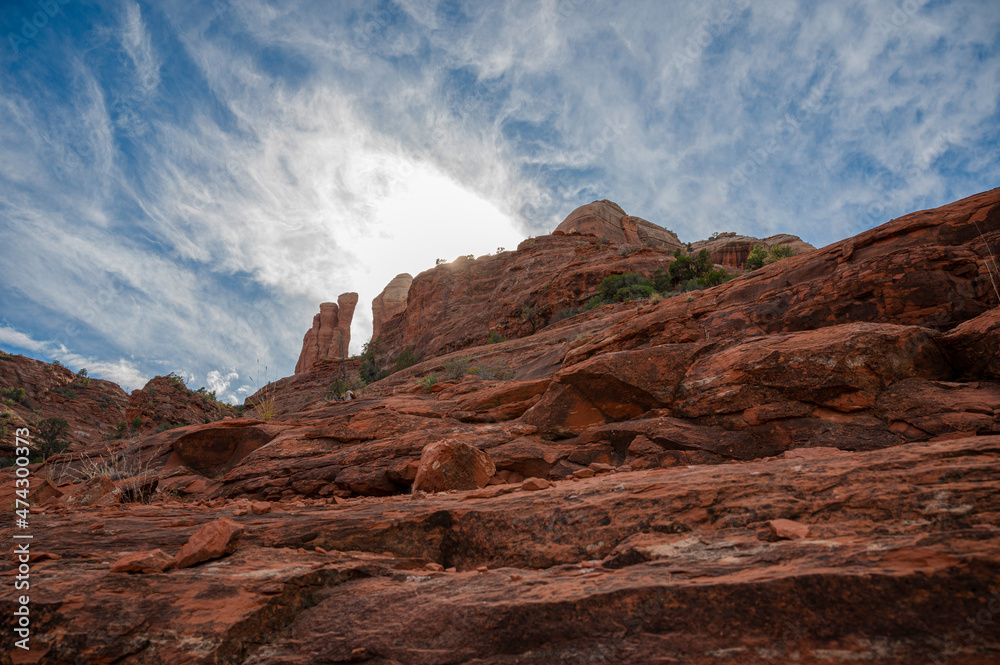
(390, 302)
(330, 334)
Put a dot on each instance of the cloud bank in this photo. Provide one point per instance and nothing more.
(182, 183)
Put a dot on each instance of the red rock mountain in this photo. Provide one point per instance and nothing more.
(330, 335)
(798, 465)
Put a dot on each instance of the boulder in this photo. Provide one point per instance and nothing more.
(147, 561)
(453, 465)
(212, 541)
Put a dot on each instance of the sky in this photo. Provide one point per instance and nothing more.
(182, 182)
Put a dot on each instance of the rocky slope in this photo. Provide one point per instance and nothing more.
(798, 465)
(93, 408)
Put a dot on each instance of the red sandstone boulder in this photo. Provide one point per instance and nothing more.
(148, 561)
(783, 529)
(214, 540)
(453, 465)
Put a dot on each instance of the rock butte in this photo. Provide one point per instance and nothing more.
(330, 335)
(798, 465)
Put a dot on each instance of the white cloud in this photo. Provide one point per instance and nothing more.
(121, 371)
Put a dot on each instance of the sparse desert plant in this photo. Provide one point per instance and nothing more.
(5, 356)
(50, 433)
(405, 359)
(263, 400)
(14, 394)
(82, 379)
(996, 266)
(124, 466)
(428, 381)
(456, 368)
(493, 370)
(339, 388)
(495, 338)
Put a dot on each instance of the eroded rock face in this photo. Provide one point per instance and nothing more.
(732, 250)
(608, 222)
(330, 334)
(390, 302)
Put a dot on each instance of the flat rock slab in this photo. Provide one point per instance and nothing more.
(678, 563)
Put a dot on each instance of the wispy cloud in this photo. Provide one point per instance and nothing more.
(184, 183)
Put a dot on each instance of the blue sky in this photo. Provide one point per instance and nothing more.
(183, 182)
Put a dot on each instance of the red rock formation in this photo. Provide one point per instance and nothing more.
(91, 407)
(608, 222)
(330, 335)
(165, 402)
(824, 429)
(390, 302)
(732, 250)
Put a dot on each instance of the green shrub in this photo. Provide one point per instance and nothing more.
(760, 257)
(177, 381)
(137, 422)
(428, 381)
(5, 356)
(778, 252)
(65, 392)
(629, 286)
(51, 432)
(405, 359)
(456, 368)
(495, 338)
(15, 394)
(370, 370)
(713, 278)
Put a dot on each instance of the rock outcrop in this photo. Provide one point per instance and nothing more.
(714, 466)
(390, 302)
(732, 250)
(330, 335)
(609, 223)
(32, 391)
(166, 402)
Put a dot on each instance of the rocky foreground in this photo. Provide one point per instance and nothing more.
(799, 465)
